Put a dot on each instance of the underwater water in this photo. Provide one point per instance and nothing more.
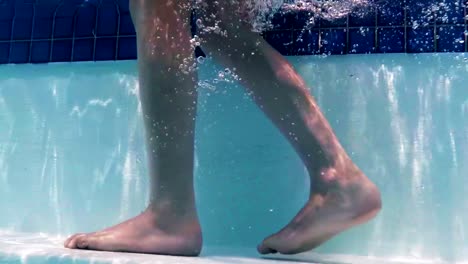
(72, 154)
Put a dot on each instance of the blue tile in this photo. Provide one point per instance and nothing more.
(305, 20)
(40, 52)
(53, 2)
(334, 41)
(4, 52)
(420, 12)
(126, 25)
(105, 49)
(127, 48)
(6, 11)
(340, 22)
(421, 40)
(283, 20)
(306, 42)
(123, 4)
(283, 38)
(92, 2)
(23, 10)
(22, 29)
(451, 12)
(364, 18)
(391, 13)
(280, 40)
(45, 10)
(451, 39)
(5, 29)
(361, 40)
(107, 20)
(83, 50)
(67, 9)
(85, 21)
(42, 28)
(391, 40)
(19, 52)
(61, 50)
(63, 27)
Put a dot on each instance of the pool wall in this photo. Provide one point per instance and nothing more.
(41, 31)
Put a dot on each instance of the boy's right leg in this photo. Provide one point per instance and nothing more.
(341, 196)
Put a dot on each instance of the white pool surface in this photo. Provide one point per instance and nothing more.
(41, 248)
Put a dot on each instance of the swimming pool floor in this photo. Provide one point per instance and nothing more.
(41, 248)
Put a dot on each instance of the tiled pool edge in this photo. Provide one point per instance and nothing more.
(35, 31)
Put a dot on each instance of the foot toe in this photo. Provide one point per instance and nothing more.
(265, 249)
(65, 243)
(82, 242)
(69, 240)
(73, 242)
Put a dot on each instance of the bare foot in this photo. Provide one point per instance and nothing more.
(148, 233)
(337, 205)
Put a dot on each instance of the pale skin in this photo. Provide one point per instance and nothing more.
(341, 196)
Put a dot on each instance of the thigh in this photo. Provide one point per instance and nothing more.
(164, 10)
(223, 10)
(253, 13)
(163, 29)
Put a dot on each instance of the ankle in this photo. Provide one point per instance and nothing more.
(338, 175)
(173, 222)
(173, 209)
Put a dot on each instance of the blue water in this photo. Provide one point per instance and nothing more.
(72, 155)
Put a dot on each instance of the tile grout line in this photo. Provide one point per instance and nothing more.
(52, 41)
(376, 31)
(347, 44)
(405, 24)
(72, 55)
(33, 23)
(96, 20)
(116, 56)
(358, 27)
(436, 41)
(12, 28)
(465, 19)
(67, 38)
